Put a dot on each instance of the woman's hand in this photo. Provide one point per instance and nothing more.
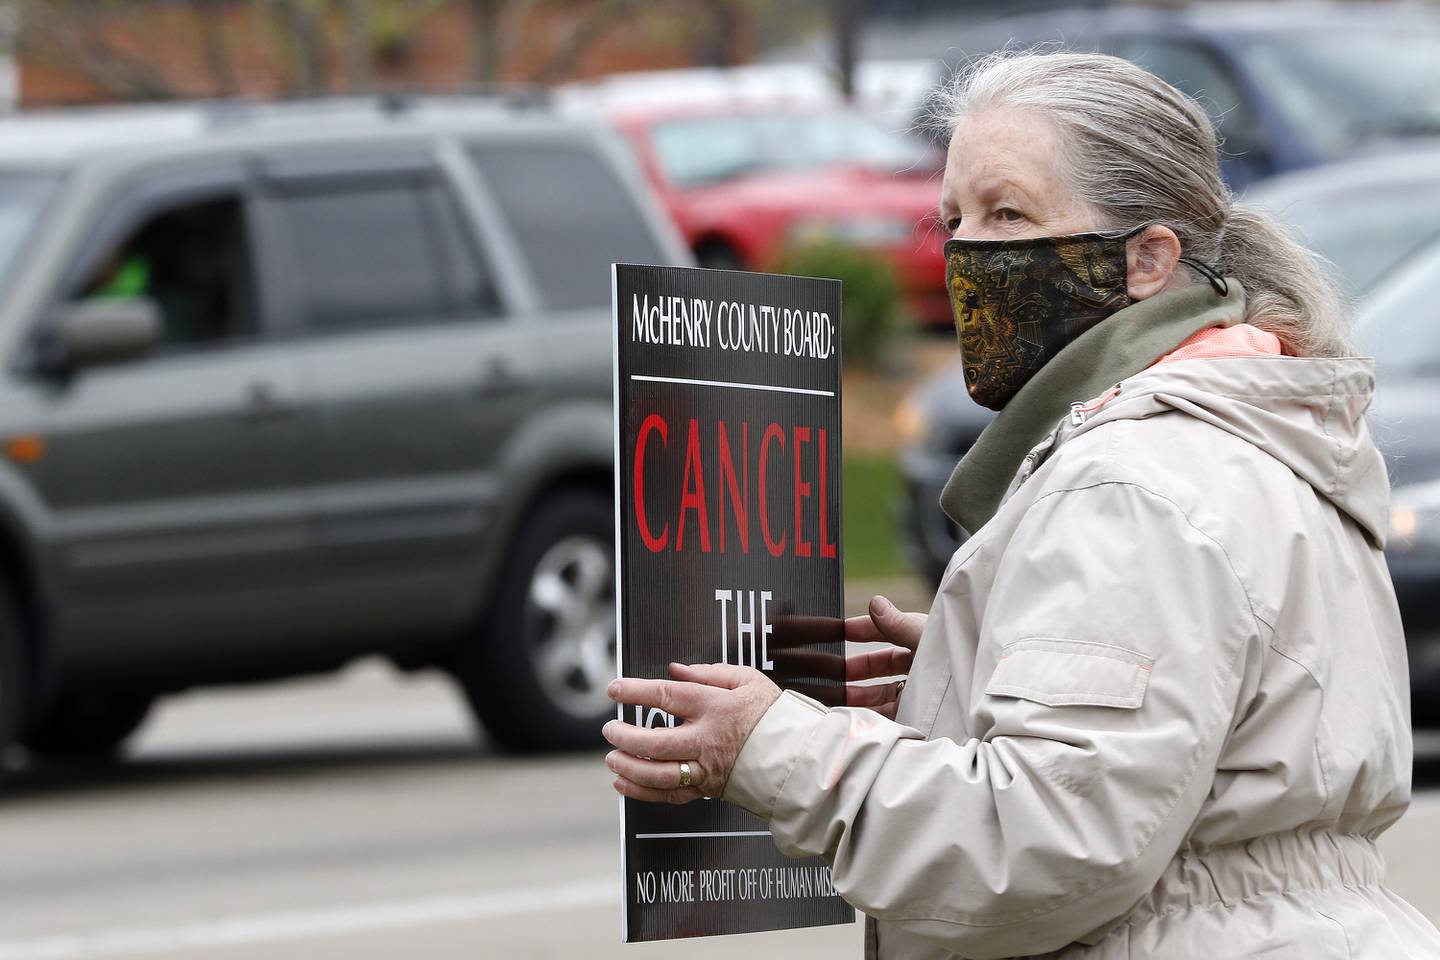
(885, 623)
(720, 704)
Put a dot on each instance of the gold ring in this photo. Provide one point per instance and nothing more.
(900, 685)
(684, 774)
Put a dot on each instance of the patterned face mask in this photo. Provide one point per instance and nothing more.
(1017, 303)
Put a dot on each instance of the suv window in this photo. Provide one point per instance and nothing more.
(382, 252)
(570, 214)
(194, 261)
(23, 197)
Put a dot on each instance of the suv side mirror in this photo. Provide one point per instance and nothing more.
(100, 330)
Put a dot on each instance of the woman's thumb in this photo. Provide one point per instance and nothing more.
(897, 626)
(885, 614)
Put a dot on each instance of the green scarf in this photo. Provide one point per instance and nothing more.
(1121, 346)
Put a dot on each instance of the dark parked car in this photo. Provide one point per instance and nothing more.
(1289, 85)
(1364, 216)
(287, 386)
(1400, 326)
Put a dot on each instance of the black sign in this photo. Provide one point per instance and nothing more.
(727, 406)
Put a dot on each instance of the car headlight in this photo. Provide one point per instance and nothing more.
(1415, 518)
(855, 231)
(912, 424)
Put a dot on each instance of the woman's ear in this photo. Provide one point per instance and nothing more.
(1150, 260)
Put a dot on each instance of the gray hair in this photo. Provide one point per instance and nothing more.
(1140, 151)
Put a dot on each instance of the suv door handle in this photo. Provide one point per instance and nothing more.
(499, 379)
(262, 402)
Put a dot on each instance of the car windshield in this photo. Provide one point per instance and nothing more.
(710, 149)
(1365, 231)
(1400, 325)
(22, 196)
(1354, 85)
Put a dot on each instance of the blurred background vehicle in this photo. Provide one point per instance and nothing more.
(746, 186)
(302, 383)
(1288, 85)
(1400, 327)
(1364, 215)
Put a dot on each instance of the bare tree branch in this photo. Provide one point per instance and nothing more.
(846, 15)
(300, 27)
(60, 34)
(485, 27)
(359, 31)
(716, 40)
(600, 19)
(217, 54)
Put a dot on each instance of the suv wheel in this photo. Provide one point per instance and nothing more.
(88, 725)
(12, 668)
(537, 679)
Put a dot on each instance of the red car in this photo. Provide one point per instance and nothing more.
(745, 185)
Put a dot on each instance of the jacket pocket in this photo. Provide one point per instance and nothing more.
(1058, 672)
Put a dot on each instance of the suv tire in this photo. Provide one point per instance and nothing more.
(537, 678)
(88, 726)
(12, 668)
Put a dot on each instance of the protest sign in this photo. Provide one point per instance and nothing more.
(727, 407)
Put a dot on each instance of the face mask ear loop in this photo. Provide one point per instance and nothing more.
(1209, 273)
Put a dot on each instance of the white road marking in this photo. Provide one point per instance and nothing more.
(305, 924)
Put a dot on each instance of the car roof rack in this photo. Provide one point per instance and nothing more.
(497, 98)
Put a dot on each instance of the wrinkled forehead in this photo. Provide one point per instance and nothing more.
(1013, 149)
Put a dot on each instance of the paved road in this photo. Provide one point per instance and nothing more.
(358, 816)
(354, 817)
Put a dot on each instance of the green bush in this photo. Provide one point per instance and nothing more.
(873, 303)
(873, 487)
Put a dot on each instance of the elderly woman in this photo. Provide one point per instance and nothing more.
(1159, 707)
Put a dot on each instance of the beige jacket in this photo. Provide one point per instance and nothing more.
(1160, 708)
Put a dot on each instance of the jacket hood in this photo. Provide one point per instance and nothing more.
(1307, 413)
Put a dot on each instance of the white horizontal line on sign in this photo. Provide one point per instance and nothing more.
(735, 385)
(718, 833)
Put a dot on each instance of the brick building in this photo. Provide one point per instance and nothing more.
(85, 51)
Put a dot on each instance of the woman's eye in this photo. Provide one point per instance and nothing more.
(1009, 214)
(951, 224)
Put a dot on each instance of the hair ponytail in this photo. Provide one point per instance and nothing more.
(1288, 290)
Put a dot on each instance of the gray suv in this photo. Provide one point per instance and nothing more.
(290, 385)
